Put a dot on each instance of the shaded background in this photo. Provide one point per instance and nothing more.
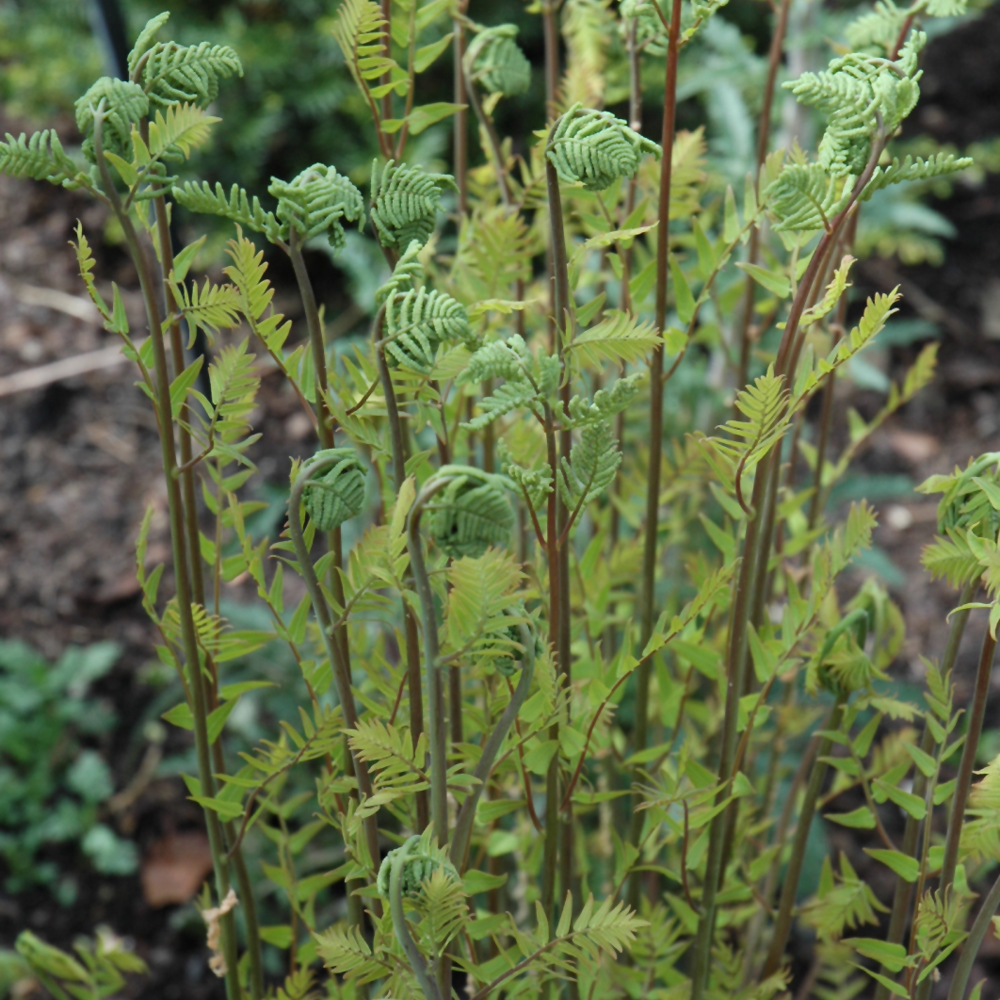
(102, 832)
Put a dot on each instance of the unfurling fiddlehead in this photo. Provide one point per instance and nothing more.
(125, 105)
(316, 201)
(497, 63)
(417, 322)
(471, 513)
(174, 73)
(338, 493)
(594, 148)
(405, 202)
(417, 863)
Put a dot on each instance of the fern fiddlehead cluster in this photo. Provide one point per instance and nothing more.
(417, 862)
(316, 201)
(471, 513)
(594, 148)
(404, 203)
(338, 493)
(125, 105)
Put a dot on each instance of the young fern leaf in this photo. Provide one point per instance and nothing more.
(482, 590)
(842, 903)
(125, 105)
(360, 33)
(404, 203)
(471, 513)
(339, 493)
(418, 322)
(394, 760)
(176, 74)
(594, 148)
(183, 128)
(606, 402)
(315, 201)
(237, 207)
(619, 337)
(914, 169)
(804, 196)
(41, 158)
(346, 953)
(496, 62)
(211, 308)
(592, 465)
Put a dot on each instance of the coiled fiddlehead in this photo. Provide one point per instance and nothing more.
(594, 148)
(338, 494)
(471, 513)
(316, 201)
(418, 862)
(405, 201)
(497, 63)
(174, 73)
(417, 322)
(125, 104)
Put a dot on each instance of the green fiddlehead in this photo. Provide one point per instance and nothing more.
(496, 62)
(125, 105)
(471, 513)
(316, 202)
(338, 493)
(404, 203)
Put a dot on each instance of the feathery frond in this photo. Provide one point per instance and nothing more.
(316, 201)
(237, 207)
(404, 203)
(175, 74)
(497, 62)
(125, 105)
(471, 513)
(337, 494)
(41, 158)
(592, 465)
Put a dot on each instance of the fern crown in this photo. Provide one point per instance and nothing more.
(405, 202)
(316, 201)
(338, 494)
(496, 61)
(471, 513)
(594, 148)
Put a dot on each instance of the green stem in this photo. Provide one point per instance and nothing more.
(175, 504)
(647, 615)
(417, 963)
(971, 945)
(904, 890)
(436, 723)
(461, 124)
(790, 887)
(341, 670)
(467, 814)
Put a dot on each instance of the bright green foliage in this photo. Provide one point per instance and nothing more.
(405, 203)
(124, 104)
(417, 322)
(338, 493)
(650, 33)
(421, 862)
(497, 62)
(41, 158)
(592, 465)
(237, 207)
(95, 972)
(593, 148)
(471, 513)
(315, 202)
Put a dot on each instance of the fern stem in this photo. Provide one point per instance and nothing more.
(178, 541)
(245, 886)
(651, 529)
(904, 890)
(971, 945)
(467, 814)
(460, 166)
(436, 722)
(790, 887)
(430, 988)
(341, 669)
(551, 36)
(411, 636)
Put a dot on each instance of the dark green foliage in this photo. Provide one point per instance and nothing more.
(418, 322)
(175, 73)
(338, 494)
(471, 513)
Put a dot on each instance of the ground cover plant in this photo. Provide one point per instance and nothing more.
(563, 613)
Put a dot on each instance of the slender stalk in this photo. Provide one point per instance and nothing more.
(790, 887)
(461, 123)
(175, 504)
(972, 944)
(245, 886)
(430, 988)
(651, 529)
(435, 688)
(904, 890)
(467, 814)
(551, 33)
(341, 670)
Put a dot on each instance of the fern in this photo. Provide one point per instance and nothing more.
(914, 169)
(404, 203)
(41, 158)
(443, 908)
(594, 148)
(211, 308)
(803, 197)
(482, 591)
(183, 128)
(175, 74)
(360, 31)
(418, 322)
(346, 953)
(842, 903)
(338, 494)
(619, 337)
(651, 37)
(391, 754)
(471, 513)
(592, 466)
(316, 201)
(237, 207)
(606, 402)
(497, 62)
(125, 105)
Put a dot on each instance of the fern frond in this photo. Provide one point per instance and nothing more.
(651, 37)
(497, 63)
(210, 308)
(185, 127)
(41, 158)
(606, 402)
(594, 148)
(592, 465)
(390, 753)
(876, 30)
(405, 274)
(361, 32)
(619, 337)
(482, 590)
(418, 322)
(175, 74)
(495, 248)
(506, 398)
(125, 105)
(508, 359)
(914, 169)
(842, 903)
(404, 203)
(316, 201)
(950, 558)
(803, 196)
(346, 953)
(444, 911)
(237, 207)
(338, 494)
(471, 513)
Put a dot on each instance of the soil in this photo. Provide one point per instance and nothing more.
(80, 464)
